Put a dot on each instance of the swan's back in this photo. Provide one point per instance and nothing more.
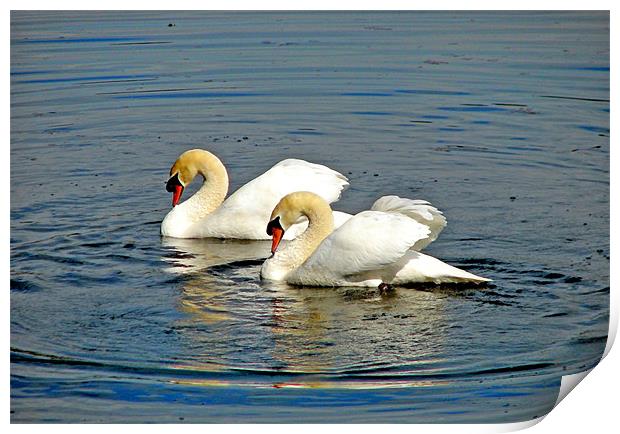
(246, 212)
(263, 193)
(368, 241)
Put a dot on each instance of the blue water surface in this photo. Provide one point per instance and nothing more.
(500, 119)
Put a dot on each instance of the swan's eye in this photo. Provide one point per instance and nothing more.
(275, 223)
(173, 182)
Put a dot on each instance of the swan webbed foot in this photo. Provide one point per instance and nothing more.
(385, 288)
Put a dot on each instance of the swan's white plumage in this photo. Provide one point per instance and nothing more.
(418, 267)
(370, 240)
(369, 248)
(245, 213)
(419, 210)
(262, 194)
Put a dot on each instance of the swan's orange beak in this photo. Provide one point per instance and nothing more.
(277, 237)
(275, 230)
(175, 187)
(176, 194)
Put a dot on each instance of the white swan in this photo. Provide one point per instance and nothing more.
(371, 248)
(243, 215)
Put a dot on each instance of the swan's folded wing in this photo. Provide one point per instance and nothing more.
(419, 210)
(368, 241)
(260, 196)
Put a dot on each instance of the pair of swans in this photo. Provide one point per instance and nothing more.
(328, 248)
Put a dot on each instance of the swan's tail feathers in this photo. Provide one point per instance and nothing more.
(319, 179)
(418, 267)
(462, 276)
(419, 210)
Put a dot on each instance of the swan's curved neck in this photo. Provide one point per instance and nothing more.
(212, 192)
(320, 225)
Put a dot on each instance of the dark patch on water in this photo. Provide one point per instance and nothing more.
(435, 117)
(465, 148)
(306, 133)
(595, 68)
(236, 264)
(598, 291)
(575, 98)
(35, 72)
(555, 315)
(590, 339)
(594, 129)
(510, 104)
(24, 286)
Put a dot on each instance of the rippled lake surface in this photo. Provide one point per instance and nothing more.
(501, 120)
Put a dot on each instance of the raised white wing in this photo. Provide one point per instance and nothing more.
(260, 196)
(419, 210)
(370, 240)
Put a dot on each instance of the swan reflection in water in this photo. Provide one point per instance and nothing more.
(193, 255)
(236, 321)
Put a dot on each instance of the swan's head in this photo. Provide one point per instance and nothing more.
(185, 169)
(291, 209)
